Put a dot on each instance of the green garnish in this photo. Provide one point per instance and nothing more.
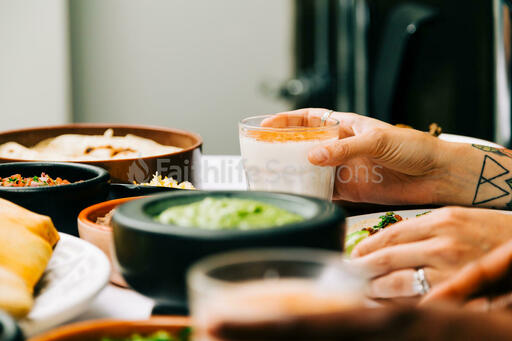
(385, 220)
(420, 214)
(35, 178)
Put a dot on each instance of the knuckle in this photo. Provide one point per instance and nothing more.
(379, 139)
(452, 214)
(377, 135)
(383, 263)
(338, 150)
(361, 249)
(448, 251)
(389, 235)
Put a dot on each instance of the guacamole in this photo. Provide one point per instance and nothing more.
(227, 214)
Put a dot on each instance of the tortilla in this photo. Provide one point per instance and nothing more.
(77, 147)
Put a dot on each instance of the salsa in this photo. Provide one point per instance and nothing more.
(227, 214)
(17, 180)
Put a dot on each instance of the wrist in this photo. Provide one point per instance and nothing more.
(459, 167)
(474, 175)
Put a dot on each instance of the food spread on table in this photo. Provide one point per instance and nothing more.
(370, 228)
(79, 147)
(227, 214)
(28, 238)
(27, 244)
(182, 335)
(16, 180)
(158, 181)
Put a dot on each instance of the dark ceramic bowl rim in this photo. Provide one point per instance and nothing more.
(8, 328)
(132, 215)
(101, 175)
(197, 144)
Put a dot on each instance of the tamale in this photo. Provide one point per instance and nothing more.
(27, 240)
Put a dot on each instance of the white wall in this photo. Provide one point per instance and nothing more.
(34, 86)
(190, 64)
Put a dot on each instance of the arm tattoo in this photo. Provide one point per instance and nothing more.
(487, 189)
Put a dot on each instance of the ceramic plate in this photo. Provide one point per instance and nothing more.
(76, 273)
(357, 222)
(467, 139)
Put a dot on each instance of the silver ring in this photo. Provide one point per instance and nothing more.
(326, 116)
(420, 284)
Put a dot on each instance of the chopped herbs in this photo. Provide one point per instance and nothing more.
(388, 219)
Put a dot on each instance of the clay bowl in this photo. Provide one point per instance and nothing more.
(116, 329)
(183, 165)
(101, 235)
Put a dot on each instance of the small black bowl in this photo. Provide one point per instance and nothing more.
(154, 257)
(119, 191)
(9, 330)
(61, 203)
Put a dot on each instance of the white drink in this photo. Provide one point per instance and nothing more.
(282, 165)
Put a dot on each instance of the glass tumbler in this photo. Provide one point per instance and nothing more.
(276, 159)
(269, 284)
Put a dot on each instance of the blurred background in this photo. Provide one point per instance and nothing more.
(202, 65)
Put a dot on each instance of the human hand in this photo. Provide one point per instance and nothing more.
(484, 284)
(441, 243)
(404, 323)
(378, 162)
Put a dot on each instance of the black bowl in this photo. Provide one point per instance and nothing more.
(119, 191)
(9, 330)
(154, 257)
(61, 203)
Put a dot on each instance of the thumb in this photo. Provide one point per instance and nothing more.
(340, 151)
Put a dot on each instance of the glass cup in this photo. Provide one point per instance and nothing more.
(269, 285)
(276, 159)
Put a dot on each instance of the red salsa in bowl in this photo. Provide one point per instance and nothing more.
(44, 179)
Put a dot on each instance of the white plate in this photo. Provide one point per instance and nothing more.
(353, 222)
(76, 273)
(467, 139)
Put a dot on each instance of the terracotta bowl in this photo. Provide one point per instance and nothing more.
(95, 330)
(101, 235)
(183, 165)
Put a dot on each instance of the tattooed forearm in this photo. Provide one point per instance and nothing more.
(486, 189)
(493, 183)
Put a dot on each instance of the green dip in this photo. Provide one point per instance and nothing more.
(227, 214)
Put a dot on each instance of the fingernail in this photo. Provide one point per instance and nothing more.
(318, 155)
